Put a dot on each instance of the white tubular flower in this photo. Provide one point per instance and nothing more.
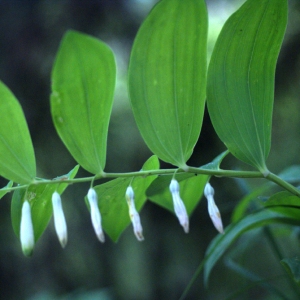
(213, 210)
(179, 207)
(95, 214)
(134, 215)
(59, 220)
(26, 230)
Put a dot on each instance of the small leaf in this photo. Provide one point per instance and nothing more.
(240, 87)
(292, 267)
(215, 164)
(112, 202)
(83, 82)
(39, 196)
(191, 190)
(5, 190)
(167, 78)
(17, 160)
(222, 242)
(191, 187)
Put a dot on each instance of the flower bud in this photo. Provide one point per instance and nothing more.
(179, 206)
(213, 210)
(95, 214)
(134, 215)
(26, 230)
(59, 219)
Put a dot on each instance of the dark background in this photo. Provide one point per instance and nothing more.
(161, 266)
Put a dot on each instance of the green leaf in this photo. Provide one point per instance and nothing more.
(240, 87)
(257, 280)
(167, 78)
(215, 164)
(283, 199)
(83, 82)
(191, 190)
(5, 190)
(39, 197)
(17, 160)
(292, 267)
(112, 202)
(222, 242)
(191, 187)
(249, 201)
(290, 174)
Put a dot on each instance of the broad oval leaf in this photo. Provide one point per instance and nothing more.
(112, 202)
(17, 160)
(39, 196)
(261, 218)
(83, 82)
(240, 83)
(167, 78)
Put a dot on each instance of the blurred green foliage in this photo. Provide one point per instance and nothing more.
(163, 264)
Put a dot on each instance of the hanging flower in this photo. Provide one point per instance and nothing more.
(134, 215)
(59, 219)
(95, 214)
(179, 207)
(213, 210)
(26, 230)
